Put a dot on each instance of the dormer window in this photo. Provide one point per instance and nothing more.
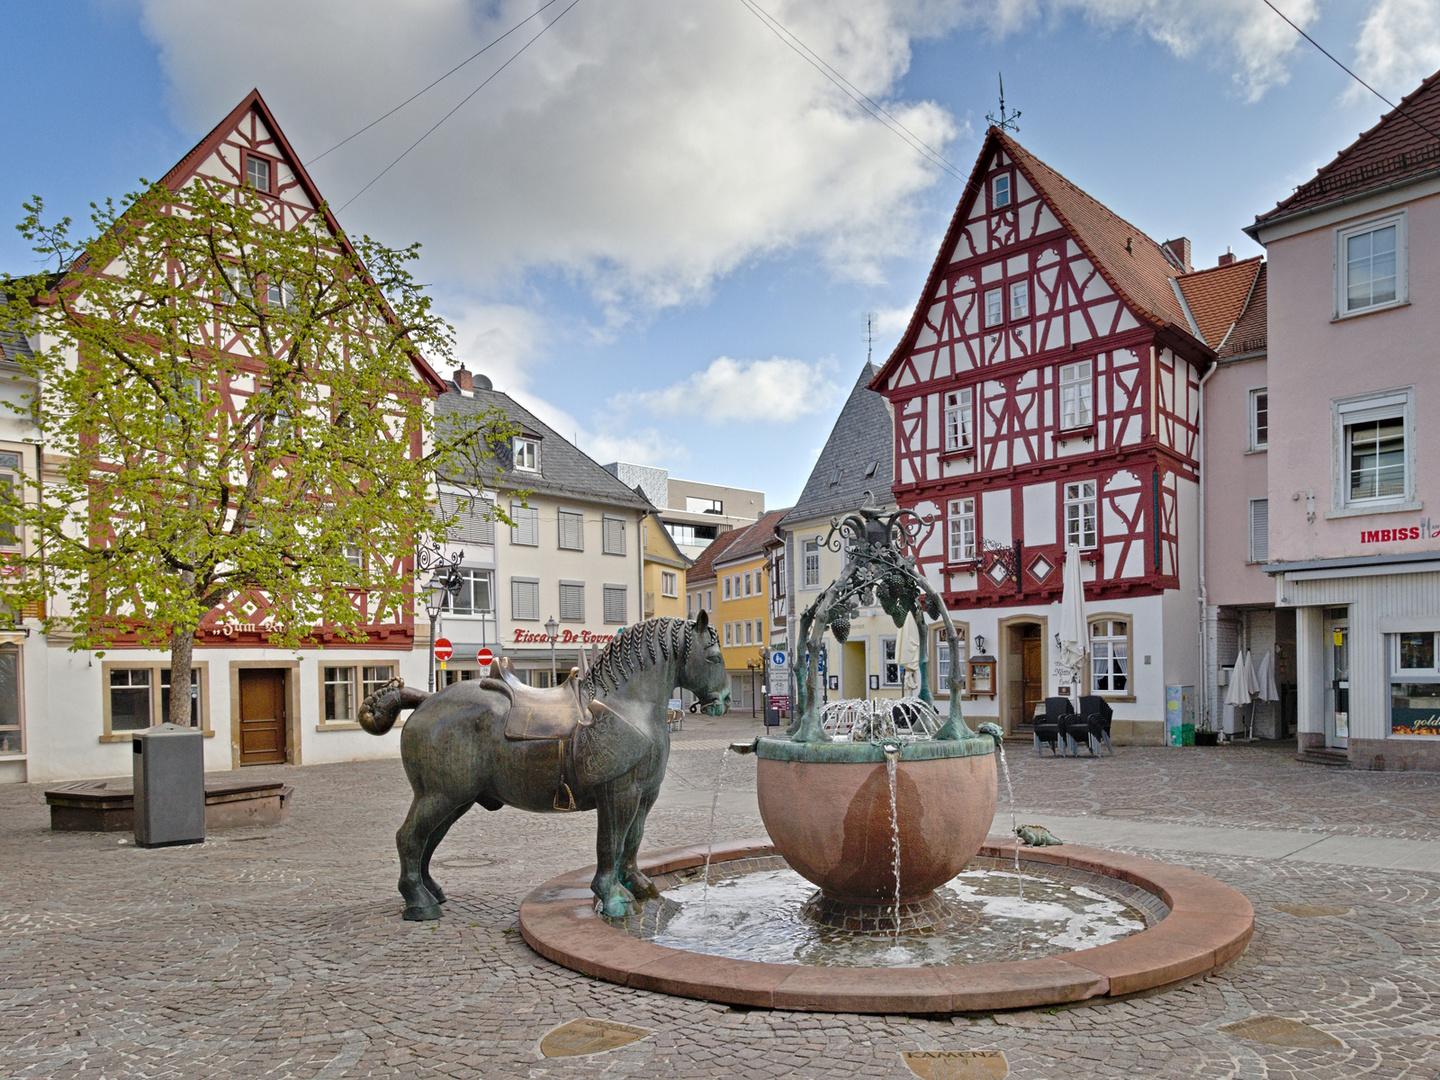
(526, 455)
(257, 173)
(1002, 191)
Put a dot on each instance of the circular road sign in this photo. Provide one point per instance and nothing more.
(485, 657)
(777, 658)
(443, 649)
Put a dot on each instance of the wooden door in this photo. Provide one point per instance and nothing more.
(1033, 676)
(262, 716)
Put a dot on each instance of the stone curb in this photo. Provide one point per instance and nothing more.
(1209, 925)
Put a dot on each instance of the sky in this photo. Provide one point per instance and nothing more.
(658, 224)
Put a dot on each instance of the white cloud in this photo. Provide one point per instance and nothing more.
(762, 390)
(892, 320)
(1399, 45)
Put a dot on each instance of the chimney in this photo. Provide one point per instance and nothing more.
(1228, 257)
(463, 380)
(1179, 248)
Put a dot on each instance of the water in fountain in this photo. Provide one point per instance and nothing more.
(892, 761)
(1014, 824)
(714, 804)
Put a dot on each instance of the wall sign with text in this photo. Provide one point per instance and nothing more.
(1425, 530)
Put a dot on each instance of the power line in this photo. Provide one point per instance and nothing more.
(437, 82)
(1393, 107)
(457, 108)
(869, 104)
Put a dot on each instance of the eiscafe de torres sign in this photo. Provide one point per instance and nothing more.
(1424, 530)
(562, 637)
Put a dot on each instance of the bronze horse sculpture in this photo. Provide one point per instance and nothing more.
(601, 742)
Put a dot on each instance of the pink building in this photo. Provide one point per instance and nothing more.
(1353, 533)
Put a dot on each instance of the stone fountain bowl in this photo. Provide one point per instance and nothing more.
(827, 809)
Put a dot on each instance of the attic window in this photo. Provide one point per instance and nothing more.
(257, 173)
(1002, 191)
(835, 478)
(525, 455)
(871, 470)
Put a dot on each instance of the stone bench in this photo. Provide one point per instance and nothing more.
(231, 802)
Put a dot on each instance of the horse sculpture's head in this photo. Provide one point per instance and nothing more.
(703, 672)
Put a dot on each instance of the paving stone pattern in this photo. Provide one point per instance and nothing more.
(280, 952)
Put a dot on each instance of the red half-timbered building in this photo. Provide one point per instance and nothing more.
(1045, 393)
(260, 704)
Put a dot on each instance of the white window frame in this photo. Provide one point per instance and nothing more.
(960, 530)
(1348, 412)
(749, 632)
(12, 474)
(1259, 438)
(729, 634)
(1344, 234)
(1256, 555)
(560, 516)
(725, 587)
(890, 661)
(1002, 192)
(1076, 498)
(345, 675)
(709, 600)
(250, 183)
(1023, 285)
(1405, 673)
(472, 574)
(811, 578)
(669, 583)
(1076, 382)
(995, 306)
(748, 590)
(960, 420)
(1112, 644)
(526, 454)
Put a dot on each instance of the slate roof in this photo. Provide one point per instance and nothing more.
(565, 470)
(752, 538)
(1217, 296)
(13, 346)
(1397, 149)
(704, 568)
(862, 435)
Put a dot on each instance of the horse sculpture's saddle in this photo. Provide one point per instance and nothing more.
(550, 713)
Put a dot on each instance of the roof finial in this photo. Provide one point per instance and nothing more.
(1004, 122)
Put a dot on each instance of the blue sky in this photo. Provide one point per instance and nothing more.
(659, 226)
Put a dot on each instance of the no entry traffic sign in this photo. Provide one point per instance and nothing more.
(485, 657)
(443, 650)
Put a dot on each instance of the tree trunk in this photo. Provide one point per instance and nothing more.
(182, 646)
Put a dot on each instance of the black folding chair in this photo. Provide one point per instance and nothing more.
(1050, 728)
(1096, 713)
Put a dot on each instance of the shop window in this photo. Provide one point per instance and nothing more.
(1110, 657)
(1080, 516)
(613, 537)
(960, 529)
(1259, 418)
(572, 601)
(525, 599)
(889, 661)
(1075, 395)
(12, 732)
(1370, 266)
(1375, 442)
(1415, 683)
(960, 420)
(614, 603)
(572, 530)
(526, 530)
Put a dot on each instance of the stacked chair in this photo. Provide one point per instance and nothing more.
(1063, 729)
(1051, 728)
(1094, 726)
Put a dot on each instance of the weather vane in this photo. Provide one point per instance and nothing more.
(1004, 122)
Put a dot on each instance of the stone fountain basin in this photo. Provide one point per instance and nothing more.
(827, 809)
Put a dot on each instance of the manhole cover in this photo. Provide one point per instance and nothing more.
(957, 1064)
(585, 1036)
(1125, 811)
(465, 862)
(1277, 1031)
(1311, 911)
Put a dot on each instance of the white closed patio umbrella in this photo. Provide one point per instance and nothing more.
(1074, 638)
(1241, 679)
(908, 653)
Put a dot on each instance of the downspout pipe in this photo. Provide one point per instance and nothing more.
(1204, 596)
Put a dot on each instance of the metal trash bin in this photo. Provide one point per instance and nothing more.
(169, 786)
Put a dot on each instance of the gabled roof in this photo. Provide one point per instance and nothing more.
(862, 437)
(1395, 151)
(1216, 296)
(679, 557)
(751, 540)
(1250, 333)
(565, 469)
(704, 568)
(1131, 263)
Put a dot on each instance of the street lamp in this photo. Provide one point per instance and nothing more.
(436, 590)
(552, 628)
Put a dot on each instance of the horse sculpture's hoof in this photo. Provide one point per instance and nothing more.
(641, 887)
(422, 913)
(619, 903)
(433, 888)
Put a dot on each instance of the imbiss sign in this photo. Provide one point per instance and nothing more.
(1426, 530)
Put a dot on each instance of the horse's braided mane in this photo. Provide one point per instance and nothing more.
(643, 645)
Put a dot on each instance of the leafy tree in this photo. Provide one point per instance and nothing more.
(236, 417)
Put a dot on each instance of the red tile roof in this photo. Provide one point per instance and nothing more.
(1404, 145)
(1216, 296)
(751, 541)
(1249, 333)
(704, 568)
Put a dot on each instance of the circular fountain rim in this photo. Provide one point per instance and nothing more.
(1209, 925)
(869, 753)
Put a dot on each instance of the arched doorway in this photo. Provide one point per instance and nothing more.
(1022, 678)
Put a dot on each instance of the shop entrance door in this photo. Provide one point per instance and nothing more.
(1337, 696)
(262, 716)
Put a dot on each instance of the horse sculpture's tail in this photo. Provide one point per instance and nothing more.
(380, 710)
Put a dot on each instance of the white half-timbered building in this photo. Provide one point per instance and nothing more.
(1045, 392)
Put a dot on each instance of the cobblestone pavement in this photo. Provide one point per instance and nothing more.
(280, 952)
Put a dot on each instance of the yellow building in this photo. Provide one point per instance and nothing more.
(742, 610)
(665, 567)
